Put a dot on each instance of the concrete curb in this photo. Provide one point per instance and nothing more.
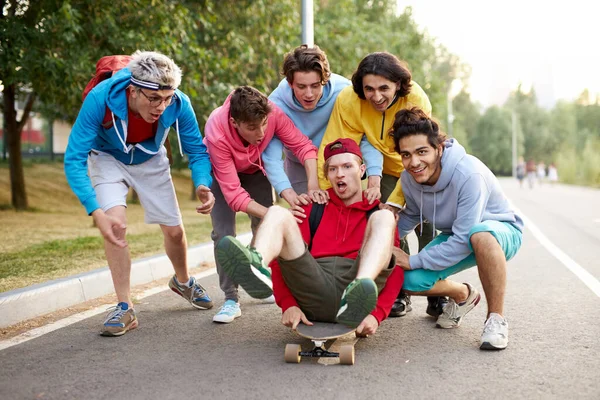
(22, 304)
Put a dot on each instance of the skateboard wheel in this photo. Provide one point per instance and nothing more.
(292, 353)
(347, 354)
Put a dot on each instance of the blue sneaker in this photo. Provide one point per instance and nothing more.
(244, 265)
(195, 293)
(119, 320)
(358, 300)
(229, 312)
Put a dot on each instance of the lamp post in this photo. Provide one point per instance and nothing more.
(308, 27)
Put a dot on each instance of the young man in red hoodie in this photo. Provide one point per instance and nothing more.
(236, 135)
(349, 274)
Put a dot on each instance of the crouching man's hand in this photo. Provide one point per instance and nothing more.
(367, 327)
(293, 316)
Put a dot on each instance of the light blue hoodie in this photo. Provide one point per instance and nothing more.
(311, 123)
(466, 193)
(89, 134)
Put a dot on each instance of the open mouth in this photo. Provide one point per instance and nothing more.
(341, 186)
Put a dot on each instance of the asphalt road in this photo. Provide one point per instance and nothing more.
(178, 352)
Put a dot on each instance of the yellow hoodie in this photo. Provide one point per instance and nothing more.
(353, 117)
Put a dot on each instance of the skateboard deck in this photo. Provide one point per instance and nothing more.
(319, 333)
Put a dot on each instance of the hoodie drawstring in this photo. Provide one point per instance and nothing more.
(178, 137)
(122, 139)
(421, 212)
(433, 222)
(259, 165)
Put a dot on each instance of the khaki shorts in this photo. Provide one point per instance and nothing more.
(151, 180)
(317, 285)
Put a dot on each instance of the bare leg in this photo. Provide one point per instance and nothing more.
(376, 249)
(279, 236)
(176, 249)
(456, 291)
(491, 264)
(119, 260)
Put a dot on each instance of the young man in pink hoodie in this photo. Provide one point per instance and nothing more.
(236, 135)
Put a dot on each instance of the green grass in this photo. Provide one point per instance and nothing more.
(54, 238)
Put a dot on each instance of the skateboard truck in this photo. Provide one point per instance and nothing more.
(319, 351)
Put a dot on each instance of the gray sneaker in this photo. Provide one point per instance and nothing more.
(453, 313)
(119, 320)
(195, 294)
(495, 333)
(245, 266)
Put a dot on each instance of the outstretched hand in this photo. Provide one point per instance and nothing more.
(207, 198)
(367, 327)
(111, 228)
(296, 201)
(372, 194)
(293, 316)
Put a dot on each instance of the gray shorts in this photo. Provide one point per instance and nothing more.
(151, 180)
(317, 285)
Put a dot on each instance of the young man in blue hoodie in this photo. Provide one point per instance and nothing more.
(463, 199)
(126, 150)
(307, 95)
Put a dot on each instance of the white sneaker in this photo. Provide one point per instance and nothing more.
(228, 312)
(268, 300)
(453, 313)
(495, 333)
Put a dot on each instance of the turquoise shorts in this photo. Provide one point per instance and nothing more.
(509, 238)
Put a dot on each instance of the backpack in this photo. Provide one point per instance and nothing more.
(314, 219)
(105, 68)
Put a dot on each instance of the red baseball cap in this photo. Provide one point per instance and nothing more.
(341, 146)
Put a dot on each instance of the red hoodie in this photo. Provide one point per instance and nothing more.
(340, 233)
(229, 155)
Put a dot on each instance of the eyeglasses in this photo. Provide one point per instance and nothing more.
(156, 101)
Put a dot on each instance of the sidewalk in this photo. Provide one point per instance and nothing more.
(22, 304)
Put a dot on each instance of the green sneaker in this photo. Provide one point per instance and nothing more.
(358, 300)
(245, 266)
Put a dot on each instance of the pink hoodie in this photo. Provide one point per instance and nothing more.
(229, 156)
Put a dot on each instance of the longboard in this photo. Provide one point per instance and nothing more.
(319, 333)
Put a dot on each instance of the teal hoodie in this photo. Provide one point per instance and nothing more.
(88, 134)
(466, 193)
(311, 123)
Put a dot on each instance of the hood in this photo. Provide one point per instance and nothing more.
(333, 86)
(116, 99)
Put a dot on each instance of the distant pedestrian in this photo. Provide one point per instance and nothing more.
(552, 174)
(521, 171)
(530, 169)
(541, 172)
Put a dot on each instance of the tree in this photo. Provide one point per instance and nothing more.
(492, 143)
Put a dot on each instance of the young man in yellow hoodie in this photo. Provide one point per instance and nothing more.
(381, 86)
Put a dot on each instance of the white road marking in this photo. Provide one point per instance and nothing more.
(588, 279)
(37, 332)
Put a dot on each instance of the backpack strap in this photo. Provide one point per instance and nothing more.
(314, 219)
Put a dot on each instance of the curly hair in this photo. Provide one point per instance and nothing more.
(386, 65)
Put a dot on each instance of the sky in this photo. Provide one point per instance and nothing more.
(547, 44)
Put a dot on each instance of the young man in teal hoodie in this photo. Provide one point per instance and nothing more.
(307, 95)
(143, 104)
(463, 199)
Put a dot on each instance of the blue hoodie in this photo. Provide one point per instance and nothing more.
(88, 134)
(311, 123)
(466, 193)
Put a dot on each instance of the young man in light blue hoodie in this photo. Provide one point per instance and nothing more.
(307, 95)
(119, 135)
(463, 199)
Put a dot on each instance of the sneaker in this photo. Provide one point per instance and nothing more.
(401, 305)
(119, 320)
(358, 300)
(228, 312)
(269, 300)
(453, 313)
(435, 305)
(495, 333)
(245, 266)
(195, 293)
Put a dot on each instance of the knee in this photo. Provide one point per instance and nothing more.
(279, 215)
(482, 240)
(174, 233)
(384, 218)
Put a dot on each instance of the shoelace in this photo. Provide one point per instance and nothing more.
(492, 325)
(198, 291)
(451, 308)
(227, 309)
(116, 313)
